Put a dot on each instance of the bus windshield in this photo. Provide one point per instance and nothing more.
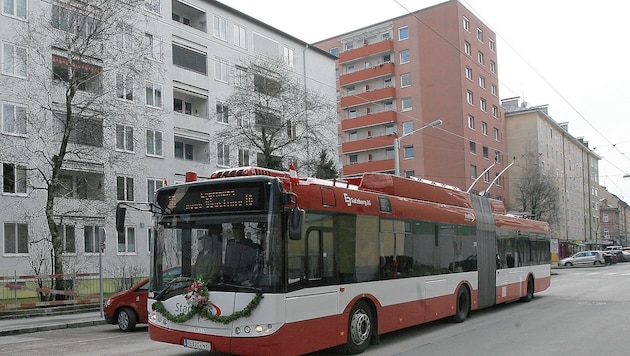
(230, 239)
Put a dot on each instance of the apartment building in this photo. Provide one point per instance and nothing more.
(535, 139)
(613, 220)
(150, 106)
(396, 78)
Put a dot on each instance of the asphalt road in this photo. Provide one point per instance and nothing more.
(585, 312)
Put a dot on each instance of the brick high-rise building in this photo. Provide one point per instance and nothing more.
(399, 75)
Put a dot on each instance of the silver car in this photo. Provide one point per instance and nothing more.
(583, 258)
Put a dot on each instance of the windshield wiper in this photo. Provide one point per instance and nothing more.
(168, 289)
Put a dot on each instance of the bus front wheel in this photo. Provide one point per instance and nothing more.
(359, 328)
(462, 305)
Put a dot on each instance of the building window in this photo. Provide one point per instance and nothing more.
(221, 69)
(15, 238)
(152, 186)
(405, 80)
(497, 156)
(13, 179)
(183, 150)
(491, 45)
(86, 131)
(353, 136)
(473, 147)
(404, 56)
(93, 238)
(240, 36)
(496, 134)
(15, 8)
(152, 5)
(127, 241)
(469, 73)
(349, 46)
(467, 49)
(493, 89)
(486, 152)
(406, 104)
(80, 185)
(493, 67)
(473, 171)
(223, 154)
(495, 111)
(222, 112)
(334, 51)
(471, 122)
(407, 127)
(243, 157)
(288, 56)
(486, 177)
(191, 60)
(482, 82)
(469, 97)
(408, 152)
(605, 218)
(124, 37)
(85, 76)
(68, 239)
(466, 23)
(124, 188)
(482, 104)
(484, 128)
(353, 159)
(153, 94)
(480, 34)
(124, 87)
(124, 138)
(152, 47)
(403, 33)
(14, 119)
(14, 60)
(220, 28)
(154, 143)
(480, 58)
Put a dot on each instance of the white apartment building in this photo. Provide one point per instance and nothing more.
(147, 119)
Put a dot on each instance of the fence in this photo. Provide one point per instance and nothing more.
(20, 292)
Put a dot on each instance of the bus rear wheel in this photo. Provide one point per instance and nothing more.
(462, 305)
(359, 328)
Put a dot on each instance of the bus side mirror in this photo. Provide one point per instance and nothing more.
(120, 218)
(296, 223)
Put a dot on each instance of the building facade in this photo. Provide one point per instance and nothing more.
(535, 139)
(150, 103)
(396, 77)
(613, 220)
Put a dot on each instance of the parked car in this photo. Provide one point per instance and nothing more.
(129, 307)
(583, 258)
(609, 257)
(617, 251)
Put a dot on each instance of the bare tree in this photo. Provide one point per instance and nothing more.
(85, 61)
(277, 115)
(537, 192)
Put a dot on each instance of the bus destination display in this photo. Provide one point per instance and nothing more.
(210, 199)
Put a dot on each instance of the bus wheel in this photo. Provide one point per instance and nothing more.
(462, 305)
(359, 328)
(530, 290)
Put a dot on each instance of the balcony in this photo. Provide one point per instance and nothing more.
(371, 143)
(377, 71)
(384, 165)
(376, 48)
(368, 97)
(383, 117)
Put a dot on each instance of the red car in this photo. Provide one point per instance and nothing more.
(129, 307)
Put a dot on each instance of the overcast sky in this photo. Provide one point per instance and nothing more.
(569, 55)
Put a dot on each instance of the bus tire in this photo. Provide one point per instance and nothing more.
(462, 305)
(359, 328)
(530, 290)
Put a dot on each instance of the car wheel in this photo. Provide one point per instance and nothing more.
(462, 305)
(359, 328)
(568, 264)
(127, 319)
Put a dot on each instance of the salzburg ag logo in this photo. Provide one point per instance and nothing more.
(356, 201)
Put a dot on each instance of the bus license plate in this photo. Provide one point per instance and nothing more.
(199, 345)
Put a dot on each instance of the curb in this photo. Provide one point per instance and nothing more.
(49, 327)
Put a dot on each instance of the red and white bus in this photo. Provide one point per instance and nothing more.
(331, 262)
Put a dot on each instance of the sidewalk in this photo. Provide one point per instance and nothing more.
(23, 325)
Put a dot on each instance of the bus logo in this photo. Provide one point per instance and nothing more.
(356, 201)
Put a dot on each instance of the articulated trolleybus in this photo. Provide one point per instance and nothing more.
(276, 265)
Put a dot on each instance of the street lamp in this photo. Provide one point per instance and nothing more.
(397, 144)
